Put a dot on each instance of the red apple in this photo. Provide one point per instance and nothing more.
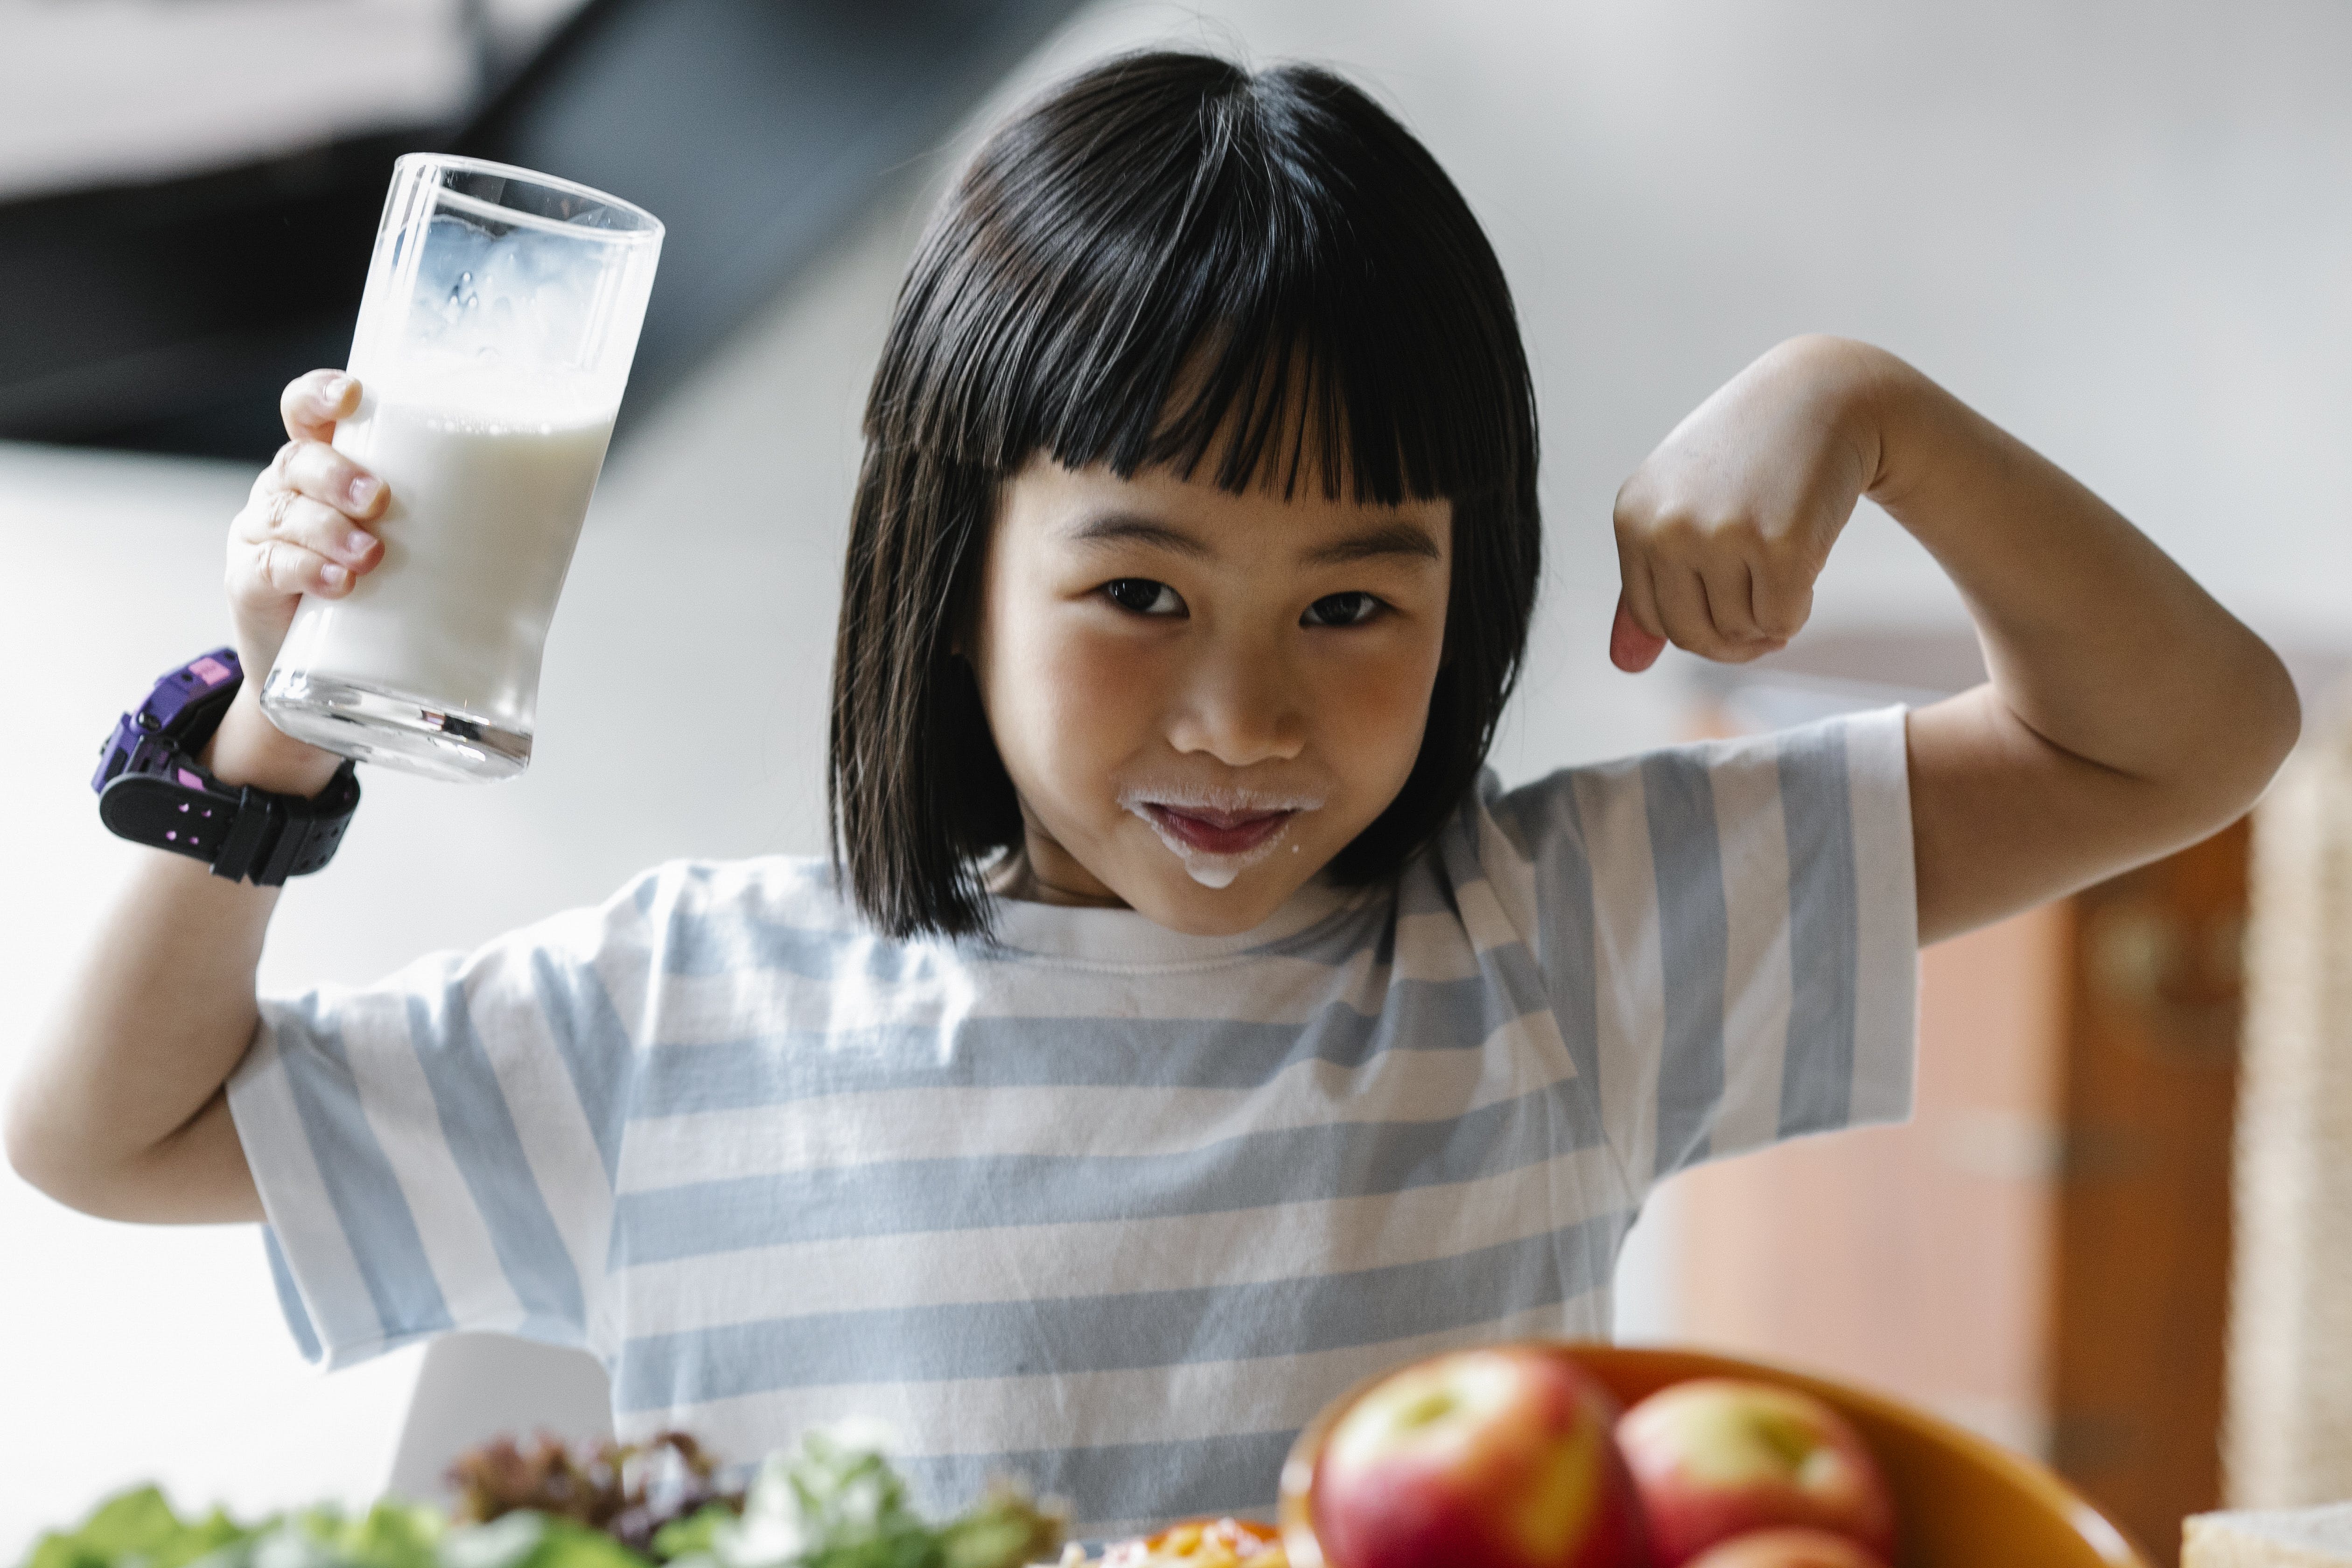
(1483, 1458)
(1787, 1549)
(1715, 1458)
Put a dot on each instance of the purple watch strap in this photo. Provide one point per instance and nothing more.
(151, 790)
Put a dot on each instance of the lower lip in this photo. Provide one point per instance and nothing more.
(1211, 839)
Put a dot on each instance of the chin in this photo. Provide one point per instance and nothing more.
(1175, 901)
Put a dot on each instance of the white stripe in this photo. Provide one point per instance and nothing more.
(831, 1131)
(1756, 976)
(714, 1009)
(1019, 1263)
(1629, 964)
(1075, 1410)
(1433, 947)
(398, 1104)
(294, 1199)
(558, 1143)
(1886, 973)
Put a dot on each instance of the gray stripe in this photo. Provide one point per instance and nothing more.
(1694, 943)
(487, 1150)
(594, 1045)
(290, 1298)
(360, 1187)
(1545, 814)
(1204, 1475)
(1254, 1170)
(1817, 1079)
(1045, 1338)
(1055, 1053)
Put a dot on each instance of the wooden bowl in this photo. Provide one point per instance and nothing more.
(1960, 1502)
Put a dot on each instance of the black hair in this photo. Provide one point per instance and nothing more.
(1333, 307)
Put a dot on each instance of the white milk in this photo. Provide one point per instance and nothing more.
(477, 540)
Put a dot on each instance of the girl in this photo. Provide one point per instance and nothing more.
(1186, 1024)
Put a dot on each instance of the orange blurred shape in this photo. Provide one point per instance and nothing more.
(1202, 1543)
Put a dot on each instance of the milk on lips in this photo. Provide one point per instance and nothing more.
(1206, 867)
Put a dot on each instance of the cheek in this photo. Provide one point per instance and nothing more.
(1374, 704)
(1077, 699)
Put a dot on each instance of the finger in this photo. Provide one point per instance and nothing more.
(1631, 648)
(317, 470)
(283, 569)
(1730, 603)
(1783, 604)
(287, 518)
(311, 402)
(1637, 595)
(1682, 608)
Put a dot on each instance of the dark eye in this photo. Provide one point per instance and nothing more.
(1342, 610)
(1144, 596)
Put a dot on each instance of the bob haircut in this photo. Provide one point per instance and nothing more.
(1334, 309)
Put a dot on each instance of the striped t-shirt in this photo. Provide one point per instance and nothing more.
(1104, 1205)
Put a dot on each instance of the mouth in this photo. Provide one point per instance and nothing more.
(1217, 832)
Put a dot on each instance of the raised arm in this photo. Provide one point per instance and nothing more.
(119, 1108)
(2127, 713)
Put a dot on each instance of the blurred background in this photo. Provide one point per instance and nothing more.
(2120, 229)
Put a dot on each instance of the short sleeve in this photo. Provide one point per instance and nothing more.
(1730, 934)
(438, 1150)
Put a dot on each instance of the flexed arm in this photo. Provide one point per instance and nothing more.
(2127, 713)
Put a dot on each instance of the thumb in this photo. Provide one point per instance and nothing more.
(1631, 648)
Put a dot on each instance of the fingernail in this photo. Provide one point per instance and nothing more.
(358, 542)
(337, 390)
(332, 575)
(363, 490)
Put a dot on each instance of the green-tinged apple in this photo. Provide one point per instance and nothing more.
(1787, 1549)
(1496, 1458)
(1716, 1458)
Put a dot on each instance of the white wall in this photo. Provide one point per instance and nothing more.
(2118, 228)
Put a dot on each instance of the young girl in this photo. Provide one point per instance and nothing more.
(1186, 1026)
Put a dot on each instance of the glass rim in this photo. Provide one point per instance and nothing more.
(650, 232)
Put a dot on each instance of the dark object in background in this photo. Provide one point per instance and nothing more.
(165, 317)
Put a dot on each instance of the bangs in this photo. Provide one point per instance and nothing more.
(1265, 274)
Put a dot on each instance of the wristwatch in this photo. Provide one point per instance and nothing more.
(151, 790)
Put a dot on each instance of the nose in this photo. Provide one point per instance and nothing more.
(1240, 703)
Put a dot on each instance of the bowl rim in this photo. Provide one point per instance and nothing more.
(1293, 1505)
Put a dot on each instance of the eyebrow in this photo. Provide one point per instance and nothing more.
(1396, 537)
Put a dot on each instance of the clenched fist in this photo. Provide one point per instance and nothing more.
(1723, 529)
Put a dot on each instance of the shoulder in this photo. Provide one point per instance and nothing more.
(1691, 817)
(795, 892)
(781, 914)
(1697, 788)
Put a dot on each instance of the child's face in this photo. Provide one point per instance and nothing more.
(1203, 696)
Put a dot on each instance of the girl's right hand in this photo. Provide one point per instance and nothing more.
(303, 531)
(303, 528)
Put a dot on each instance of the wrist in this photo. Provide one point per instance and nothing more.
(247, 749)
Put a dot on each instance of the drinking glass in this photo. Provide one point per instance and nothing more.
(495, 336)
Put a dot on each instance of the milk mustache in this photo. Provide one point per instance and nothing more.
(486, 509)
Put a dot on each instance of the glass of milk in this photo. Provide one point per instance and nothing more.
(501, 312)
